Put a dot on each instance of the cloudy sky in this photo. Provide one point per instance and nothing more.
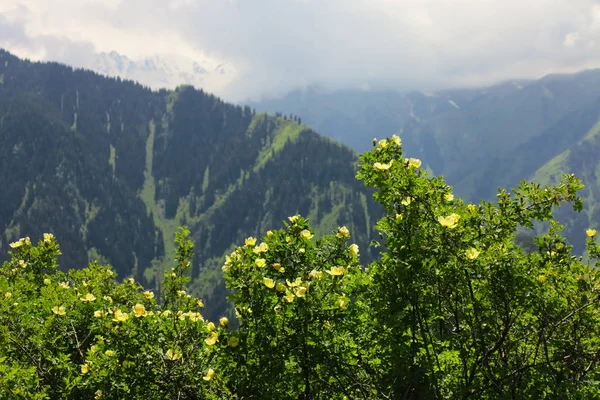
(278, 45)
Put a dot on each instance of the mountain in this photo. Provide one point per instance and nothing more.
(164, 71)
(479, 139)
(113, 168)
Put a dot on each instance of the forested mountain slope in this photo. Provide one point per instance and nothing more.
(112, 168)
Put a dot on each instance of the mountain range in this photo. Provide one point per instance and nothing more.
(480, 139)
(112, 168)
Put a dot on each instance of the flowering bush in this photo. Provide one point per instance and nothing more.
(453, 308)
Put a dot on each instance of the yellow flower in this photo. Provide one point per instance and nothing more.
(343, 232)
(314, 274)
(399, 217)
(542, 279)
(269, 233)
(261, 249)
(22, 264)
(336, 271)
(413, 163)
(280, 287)
(64, 285)
(84, 283)
(472, 253)
(301, 250)
(120, 316)
(471, 207)
(47, 281)
(382, 167)
(165, 313)
(109, 353)
(211, 326)
(131, 281)
(108, 298)
(301, 291)
(20, 242)
(139, 310)
(88, 298)
(343, 301)
(270, 283)
(233, 341)
(289, 296)
(209, 375)
(100, 314)
(58, 310)
(48, 238)
(448, 197)
(225, 268)
(306, 234)
(194, 316)
(85, 368)
(148, 294)
(173, 355)
(181, 293)
(591, 232)
(8, 295)
(559, 246)
(397, 141)
(294, 218)
(450, 221)
(212, 339)
(249, 242)
(223, 321)
(382, 144)
(353, 250)
(278, 267)
(260, 262)
(406, 201)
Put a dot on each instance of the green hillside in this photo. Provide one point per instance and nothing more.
(113, 168)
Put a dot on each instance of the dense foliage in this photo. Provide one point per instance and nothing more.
(452, 308)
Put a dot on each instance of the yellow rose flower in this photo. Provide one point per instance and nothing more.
(471, 207)
(448, 197)
(109, 353)
(336, 271)
(396, 140)
(450, 221)
(211, 326)
(47, 281)
(139, 310)
(200, 303)
(22, 264)
(85, 368)
(233, 341)
(269, 233)
(260, 262)
(278, 267)
(294, 218)
(212, 339)
(542, 279)
(249, 242)
(289, 296)
(88, 298)
(209, 375)
(48, 238)
(225, 268)
(173, 355)
(406, 201)
(314, 274)
(306, 234)
(399, 217)
(591, 232)
(223, 321)
(100, 314)
(382, 167)
(148, 294)
(297, 282)
(131, 281)
(353, 250)
(181, 293)
(64, 285)
(413, 163)
(261, 249)
(58, 310)
(343, 232)
(120, 316)
(194, 316)
(270, 283)
(382, 144)
(280, 287)
(301, 291)
(8, 295)
(472, 253)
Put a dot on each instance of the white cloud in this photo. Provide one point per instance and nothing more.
(276, 45)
